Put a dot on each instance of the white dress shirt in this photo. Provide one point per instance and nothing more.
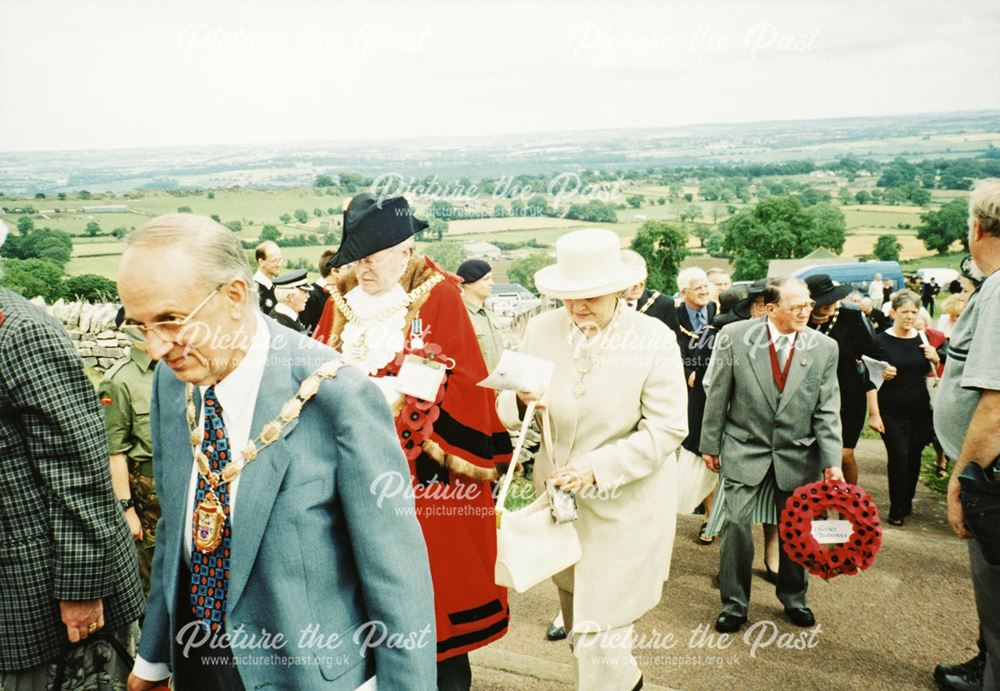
(237, 394)
(261, 277)
(776, 335)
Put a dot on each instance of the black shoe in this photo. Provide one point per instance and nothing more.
(967, 676)
(729, 623)
(800, 616)
(555, 633)
(770, 576)
(704, 539)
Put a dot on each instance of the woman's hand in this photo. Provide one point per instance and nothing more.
(535, 395)
(875, 423)
(572, 478)
(931, 354)
(889, 373)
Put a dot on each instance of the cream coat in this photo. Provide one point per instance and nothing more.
(626, 427)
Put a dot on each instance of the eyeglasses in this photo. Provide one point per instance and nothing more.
(801, 307)
(167, 330)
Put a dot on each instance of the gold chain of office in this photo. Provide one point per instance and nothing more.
(269, 433)
(411, 297)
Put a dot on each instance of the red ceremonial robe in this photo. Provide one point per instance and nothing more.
(458, 440)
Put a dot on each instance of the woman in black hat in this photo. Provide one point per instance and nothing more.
(846, 325)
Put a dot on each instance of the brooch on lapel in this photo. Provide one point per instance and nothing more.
(804, 362)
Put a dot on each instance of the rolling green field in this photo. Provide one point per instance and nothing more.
(255, 208)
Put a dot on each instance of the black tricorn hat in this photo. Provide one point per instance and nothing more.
(373, 224)
(824, 291)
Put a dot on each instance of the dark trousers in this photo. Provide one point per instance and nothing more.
(736, 553)
(455, 674)
(986, 585)
(929, 305)
(905, 437)
(204, 667)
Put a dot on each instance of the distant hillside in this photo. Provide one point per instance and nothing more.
(296, 165)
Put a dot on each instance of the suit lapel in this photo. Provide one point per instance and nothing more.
(801, 362)
(261, 479)
(758, 349)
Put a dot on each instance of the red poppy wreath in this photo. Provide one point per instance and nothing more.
(857, 554)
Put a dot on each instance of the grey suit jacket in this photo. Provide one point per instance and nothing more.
(315, 554)
(752, 427)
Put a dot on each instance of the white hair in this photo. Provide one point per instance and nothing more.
(984, 206)
(687, 276)
(212, 248)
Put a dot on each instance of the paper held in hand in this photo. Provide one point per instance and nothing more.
(876, 370)
(519, 372)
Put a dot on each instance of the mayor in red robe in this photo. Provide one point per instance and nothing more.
(393, 307)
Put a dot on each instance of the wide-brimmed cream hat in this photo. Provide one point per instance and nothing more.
(588, 264)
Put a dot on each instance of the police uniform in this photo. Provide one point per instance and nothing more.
(125, 395)
(282, 313)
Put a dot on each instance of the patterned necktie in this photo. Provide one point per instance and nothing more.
(210, 572)
(699, 321)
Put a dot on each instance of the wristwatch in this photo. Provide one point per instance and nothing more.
(127, 503)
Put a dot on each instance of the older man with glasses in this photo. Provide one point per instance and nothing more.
(266, 451)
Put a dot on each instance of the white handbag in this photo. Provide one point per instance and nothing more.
(531, 546)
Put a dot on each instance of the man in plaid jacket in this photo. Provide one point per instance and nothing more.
(67, 562)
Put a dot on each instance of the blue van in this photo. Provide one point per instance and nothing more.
(857, 274)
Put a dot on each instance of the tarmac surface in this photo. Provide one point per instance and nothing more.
(884, 628)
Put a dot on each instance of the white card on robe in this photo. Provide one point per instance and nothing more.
(420, 377)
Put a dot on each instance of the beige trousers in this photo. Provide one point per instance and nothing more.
(601, 661)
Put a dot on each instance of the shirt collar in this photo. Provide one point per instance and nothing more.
(775, 334)
(472, 308)
(261, 277)
(284, 309)
(141, 358)
(693, 311)
(235, 392)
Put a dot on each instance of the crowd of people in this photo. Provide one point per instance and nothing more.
(326, 472)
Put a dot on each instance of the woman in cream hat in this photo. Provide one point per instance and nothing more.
(616, 411)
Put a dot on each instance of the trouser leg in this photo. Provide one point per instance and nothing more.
(986, 585)
(792, 578)
(604, 661)
(455, 674)
(736, 548)
(896, 440)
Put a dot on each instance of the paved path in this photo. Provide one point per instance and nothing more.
(885, 628)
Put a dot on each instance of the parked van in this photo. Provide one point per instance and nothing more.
(857, 274)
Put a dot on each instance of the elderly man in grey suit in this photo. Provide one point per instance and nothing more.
(772, 416)
(277, 566)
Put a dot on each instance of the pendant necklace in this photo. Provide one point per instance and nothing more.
(584, 368)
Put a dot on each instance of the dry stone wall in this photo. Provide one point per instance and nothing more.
(92, 329)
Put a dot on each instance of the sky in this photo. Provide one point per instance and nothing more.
(137, 73)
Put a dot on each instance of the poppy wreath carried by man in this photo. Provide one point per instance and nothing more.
(848, 558)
